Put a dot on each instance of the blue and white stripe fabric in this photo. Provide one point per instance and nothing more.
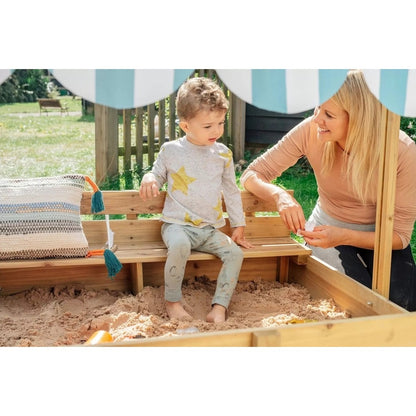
(122, 88)
(395, 88)
(283, 90)
(4, 74)
(280, 90)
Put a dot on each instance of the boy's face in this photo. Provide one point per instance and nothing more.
(205, 128)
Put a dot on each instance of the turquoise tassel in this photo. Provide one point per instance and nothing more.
(97, 203)
(112, 263)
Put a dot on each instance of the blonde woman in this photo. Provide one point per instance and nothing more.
(342, 143)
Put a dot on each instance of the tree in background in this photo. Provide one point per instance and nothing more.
(24, 85)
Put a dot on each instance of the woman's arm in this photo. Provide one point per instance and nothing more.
(287, 206)
(271, 164)
(326, 236)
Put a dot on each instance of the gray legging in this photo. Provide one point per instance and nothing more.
(358, 262)
(181, 239)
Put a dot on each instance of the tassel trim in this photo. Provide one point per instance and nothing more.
(97, 203)
(111, 261)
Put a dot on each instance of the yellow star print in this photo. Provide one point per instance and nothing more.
(218, 208)
(228, 156)
(181, 181)
(189, 219)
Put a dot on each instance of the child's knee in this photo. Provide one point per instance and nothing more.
(183, 247)
(234, 253)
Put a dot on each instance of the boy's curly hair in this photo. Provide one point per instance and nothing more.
(198, 94)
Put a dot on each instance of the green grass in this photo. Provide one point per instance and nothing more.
(73, 104)
(34, 146)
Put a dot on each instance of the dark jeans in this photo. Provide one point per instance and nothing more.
(402, 277)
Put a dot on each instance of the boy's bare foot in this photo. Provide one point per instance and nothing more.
(176, 310)
(217, 314)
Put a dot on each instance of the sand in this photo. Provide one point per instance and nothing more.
(69, 316)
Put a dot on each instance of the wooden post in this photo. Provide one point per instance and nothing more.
(151, 112)
(390, 126)
(162, 129)
(127, 139)
(238, 126)
(139, 136)
(106, 143)
(172, 117)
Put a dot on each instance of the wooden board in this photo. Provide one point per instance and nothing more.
(380, 331)
(386, 197)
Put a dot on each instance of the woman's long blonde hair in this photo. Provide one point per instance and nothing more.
(362, 150)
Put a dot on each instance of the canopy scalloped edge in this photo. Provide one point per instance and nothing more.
(279, 90)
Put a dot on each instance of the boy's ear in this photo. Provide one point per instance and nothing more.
(184, 126)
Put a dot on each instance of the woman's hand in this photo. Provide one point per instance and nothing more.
(290, 211)
(149, 188)
(325, 236)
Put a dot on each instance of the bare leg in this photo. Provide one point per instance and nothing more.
(176, 310)
(217, 314)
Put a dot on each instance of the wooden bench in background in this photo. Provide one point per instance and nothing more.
(47, 104)
(142, 252)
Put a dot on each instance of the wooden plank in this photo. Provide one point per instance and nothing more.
(124, 202)
(136, 277)
(139, 136)
(127, 139)
(323, 281)
(151, 113)
(91, 275)
(130, 233)
(238, 126)
(284, 269)
(267, 127)
(236, 338)
(172, 116)
(385, 202)
(380, 331)
(106, 142)
(251, 269)
(161, 126)
(129, 202)
(265, 338)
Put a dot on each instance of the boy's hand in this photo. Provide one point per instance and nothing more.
(149, 188)
(238, 237)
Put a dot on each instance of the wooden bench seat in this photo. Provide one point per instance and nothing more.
(141, 250)
(47, 104)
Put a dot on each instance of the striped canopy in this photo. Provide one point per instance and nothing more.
(122, 88)
(395, 88)
(283, 90)
(280, 90)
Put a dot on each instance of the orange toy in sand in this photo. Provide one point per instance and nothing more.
(99, 337)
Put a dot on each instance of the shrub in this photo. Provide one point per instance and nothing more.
(24, 85)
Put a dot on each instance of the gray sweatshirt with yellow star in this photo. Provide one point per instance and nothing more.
(197, 177)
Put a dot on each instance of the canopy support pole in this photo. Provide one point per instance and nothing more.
(386, 195)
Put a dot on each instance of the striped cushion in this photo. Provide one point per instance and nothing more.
(40, 218)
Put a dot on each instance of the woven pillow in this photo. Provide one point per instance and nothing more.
(40, 218)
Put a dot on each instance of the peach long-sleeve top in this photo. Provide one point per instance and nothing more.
(336, 196)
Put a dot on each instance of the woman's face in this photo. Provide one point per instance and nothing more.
(332, 122)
